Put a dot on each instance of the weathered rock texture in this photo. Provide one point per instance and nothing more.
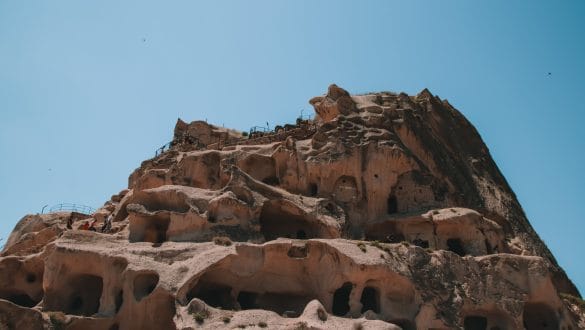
(384, 212)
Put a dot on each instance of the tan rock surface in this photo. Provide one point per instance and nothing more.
(386, 212)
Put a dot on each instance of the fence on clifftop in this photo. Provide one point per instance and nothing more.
(71, 207)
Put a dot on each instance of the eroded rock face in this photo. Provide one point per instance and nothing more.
(385, 212)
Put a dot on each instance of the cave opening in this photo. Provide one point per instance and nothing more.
(421, 243)
(341, 299)
(276, 221)
(539, 316)
(370, 300)
(119, 300)
(291, 304)
(271, 181)
(215, 295)
(144, 284)
(84, 296)
(313, 189)
(150, 229)
(392, 205)
(456, 246)
(301, 234)
(19, 298)
(475, 323)
(247, 300)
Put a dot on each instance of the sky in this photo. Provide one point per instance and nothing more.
(89, 89)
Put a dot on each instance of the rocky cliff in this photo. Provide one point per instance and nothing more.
(385, 211)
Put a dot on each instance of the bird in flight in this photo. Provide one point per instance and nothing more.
(143, 39)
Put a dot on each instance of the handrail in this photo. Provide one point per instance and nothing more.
(79, 208)
(162, 149)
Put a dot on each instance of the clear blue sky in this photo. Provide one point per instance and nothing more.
(89, 89)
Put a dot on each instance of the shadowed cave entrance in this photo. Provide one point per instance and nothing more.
(78, 295)
(341, 299)
(539, 316)
(19, 298)
(149, 229)
(214, 294)
(370, 300)
(455, 245)
(144, 284)
(392, 204)
(220, 296)
(290, 304)
(278, 220)
(475, 323)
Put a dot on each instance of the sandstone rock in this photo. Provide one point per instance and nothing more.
(386, 212)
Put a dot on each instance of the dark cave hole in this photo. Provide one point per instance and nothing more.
(271, 181)
(539, 316)
(313, 189)
(215, 295)
(475, 323)
(301, 234)
(30, 277)
(370, 300)
(144, 284)
(119, 300)
(421, 243)
(247, 300)
(455, 245)
(276, 221)
(341, 299)
(392, 205)
(86, 291)
(20, 298)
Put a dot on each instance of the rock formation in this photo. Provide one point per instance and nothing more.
(384, 212)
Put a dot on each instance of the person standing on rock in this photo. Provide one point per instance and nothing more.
(107, 226)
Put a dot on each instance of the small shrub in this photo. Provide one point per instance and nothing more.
(242, 326)
(226, 319)
(262, 324)
(362, 247)
(200, 316)
(222, 240)
(405, 243)
(244, 133)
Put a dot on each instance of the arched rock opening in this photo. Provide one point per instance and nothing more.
(151, 229)
(214, 294)
(278, 220)
(144, 284)
(370, 300)
(19, 298)
(79, 295)
(346, 190)
(21, 281)
(539, 316)
(456, 246)
(291, 303)
(341, 299)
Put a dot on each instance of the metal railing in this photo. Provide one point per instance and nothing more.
(79, 208)
(162, 149)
